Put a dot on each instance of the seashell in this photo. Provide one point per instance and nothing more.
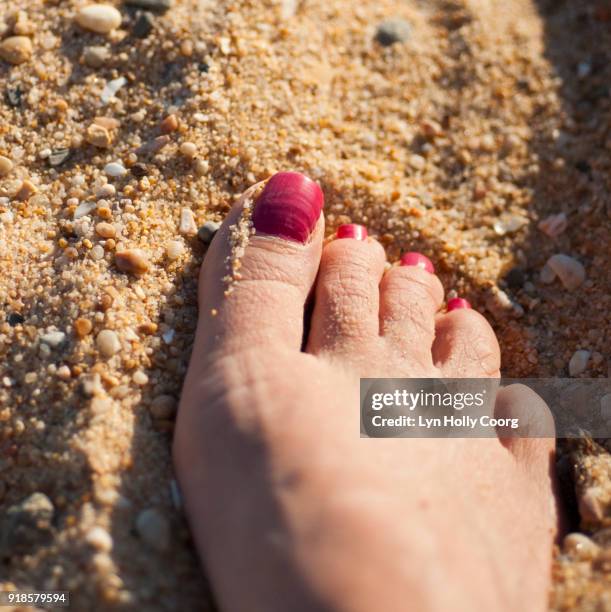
(570, 271)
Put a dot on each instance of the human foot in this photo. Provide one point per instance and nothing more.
(290, 509)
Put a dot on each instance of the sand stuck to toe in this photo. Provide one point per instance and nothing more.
(475, 132)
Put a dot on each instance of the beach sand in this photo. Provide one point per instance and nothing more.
(458, 141)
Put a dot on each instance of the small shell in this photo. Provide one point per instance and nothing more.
(579, 362)
(570, 271)
(553, 225)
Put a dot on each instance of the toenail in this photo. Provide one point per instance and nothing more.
(288, 207)
(352, 230)
(456, 303)
(418, 260)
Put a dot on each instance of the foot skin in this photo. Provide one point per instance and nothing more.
(290, 509)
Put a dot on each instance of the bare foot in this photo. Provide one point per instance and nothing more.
(290, 509)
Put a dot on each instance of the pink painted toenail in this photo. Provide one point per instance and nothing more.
(352, 230)
(288, 207)
(418, 260)
(456, 303)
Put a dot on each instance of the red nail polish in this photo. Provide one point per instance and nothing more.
(418, 260)
(352, 230)
(456, 303)
(288, 207)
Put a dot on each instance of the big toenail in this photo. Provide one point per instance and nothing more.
(419, 260)
(456, 303)
(288, 207)
(352, 230)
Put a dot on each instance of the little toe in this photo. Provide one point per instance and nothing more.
(410, 295)
(259, 269)
(465, 345)
(345, 315)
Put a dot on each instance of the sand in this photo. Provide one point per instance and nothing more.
(457, 143)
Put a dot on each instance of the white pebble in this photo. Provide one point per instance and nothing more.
(99, 538)
(140, 378)
(106, 191)
(187, 225)
(115, 169)
(579, 362)
(188, 150)
(174, 249)
(108, 343)
(53, 338)
(97, 252)
(570, 271)
(100, 18)
(580, 547)
(154, 529)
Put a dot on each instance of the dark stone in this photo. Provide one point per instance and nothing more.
(203, 67)
(583, 166)
(393, 31)
(13, 96)
(144, 24)
(15, 318)
(59, 156)
(139, 170)
(515, 278)
(207, 231)
(156, 6)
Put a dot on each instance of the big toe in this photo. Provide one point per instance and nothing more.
(260, 267)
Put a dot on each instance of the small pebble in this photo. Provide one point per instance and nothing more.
(82, 327)
(99, 538)
(157, 6)
(143, 25)
(140, 378)
(580, 547)
(570, 271)
(26, 191)
(106, 191)
(105, 230)
(98, 136)
(153, 529)
(108, 343)
(553, 225)
(16, 49)
(393, 31)
(6, 166)
(188, 150)
(163, 407)
(174, 249)
(139, 170)
(115, 169)
(207, 231)
(509, 224)
(169, 124)
(201, 167)
(579, 362)
(100, 18)
(132, 261)
(53, 338)
(96, 56)
(187, 226)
